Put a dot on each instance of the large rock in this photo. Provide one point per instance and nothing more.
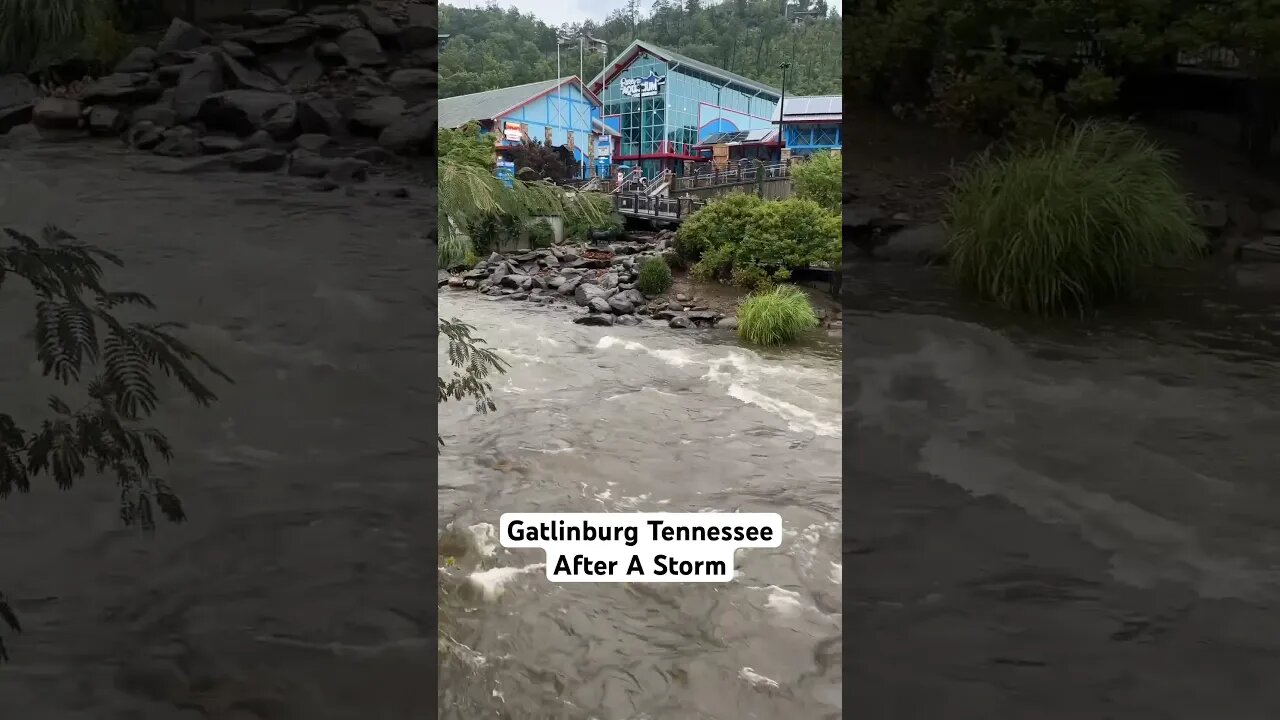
(378, 23)
(256, 160)
(410, 134)
(197, 81)
(106, 120)
(335, 23)
(17, 99)
(245, 111)
(360, 48)
(415, 84)
(297, 69)
(180, 36)
(143, 135)
(140, 59)
(277, 38)
(236, 50)
(583, 294)
(178, 142)
(923, 245)
(160, 114)
(219, 144)
(321, 116)
(54, 113)
(376, 114)
(245, 78)
(122, 88)
(267, 17)
(595, 319)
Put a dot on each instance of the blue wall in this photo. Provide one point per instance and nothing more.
(810, 138)
(564, 109)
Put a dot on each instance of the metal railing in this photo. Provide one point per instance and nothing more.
(733, 175)
(627, 180)
(659, 208)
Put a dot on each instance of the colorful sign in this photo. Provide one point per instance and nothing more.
(506, 172)
(643, 87)
(513, 131)
(604, 147)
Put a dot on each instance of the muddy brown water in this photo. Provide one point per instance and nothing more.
(300, 586)
(1075, 520)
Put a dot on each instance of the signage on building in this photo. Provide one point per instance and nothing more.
(643, 87)
(513, 131)
(604, 147)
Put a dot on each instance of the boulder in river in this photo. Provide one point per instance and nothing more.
(319, 115)
(17, 99)
(196, 82)
(245, 111)
(410, 134)
(595, 319)
(378, 23)
(143, 135)
(600, 305)
(181, 35)
(257, 160)
(106, 120)
(584, 293)
(122, 87)
(276, 38)
(360, 48)
(140, 59)
(376, 114)
(54, 113)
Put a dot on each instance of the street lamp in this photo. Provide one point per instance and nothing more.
(782, 106)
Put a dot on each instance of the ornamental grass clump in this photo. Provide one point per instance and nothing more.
(1064, 226)
(776, 316)
(655, 277)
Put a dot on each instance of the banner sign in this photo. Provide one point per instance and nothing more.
(604, 147)
(514, 132)
(643, 87)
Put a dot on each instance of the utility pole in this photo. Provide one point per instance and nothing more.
(782, 107)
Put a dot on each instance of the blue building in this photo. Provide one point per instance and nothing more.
(562, 114)
(664, 105)
(810, 124)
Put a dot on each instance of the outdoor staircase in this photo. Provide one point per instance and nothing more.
(660, 185)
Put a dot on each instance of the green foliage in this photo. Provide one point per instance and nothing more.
(790, 234)
(590, 212)
(655, 277)
(472, 364)
(541, 234)
(81, 341)
(722, 222)
(776, 316)
(751, 277)
(470, 197)
(35, 34)
(820, 179)
(745, 234)
(467, 146)
(492, 47)
(1065, 225)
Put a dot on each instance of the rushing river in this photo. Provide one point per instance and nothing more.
(1076, 520)
(630, 419)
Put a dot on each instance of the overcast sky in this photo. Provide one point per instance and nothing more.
(558, 12)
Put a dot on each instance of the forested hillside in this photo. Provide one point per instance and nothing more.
(492, 48)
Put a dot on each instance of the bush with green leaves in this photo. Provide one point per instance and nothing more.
(775, 316)
(655, 277)
(722, 222)
(103, 427)
(1068, 224)
(790, 234)
(819, 178)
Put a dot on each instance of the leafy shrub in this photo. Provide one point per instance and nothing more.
(722, 222)
(655, 277)
(775, 316)
(819, 179)
(103, 41)
(750, 277)
(1066, 225)
(541, 234)
(791, 234)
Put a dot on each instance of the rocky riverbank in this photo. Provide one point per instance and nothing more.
(598, 282)
(327, 94)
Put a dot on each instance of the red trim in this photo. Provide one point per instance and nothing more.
(548, 91)
(616, 68)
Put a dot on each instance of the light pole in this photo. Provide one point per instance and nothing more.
(782, 106)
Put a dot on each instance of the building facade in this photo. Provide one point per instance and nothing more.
(663, 105)
(810, 124)
(562, 114)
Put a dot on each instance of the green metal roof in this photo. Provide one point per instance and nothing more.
(459, 110)
(675, 57)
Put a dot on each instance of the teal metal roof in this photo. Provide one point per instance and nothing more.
(675, 57)
(459, 110)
